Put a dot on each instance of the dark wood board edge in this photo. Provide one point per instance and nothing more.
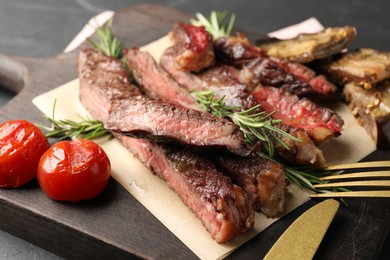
(33, 217)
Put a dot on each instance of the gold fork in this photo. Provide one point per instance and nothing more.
(363, 179)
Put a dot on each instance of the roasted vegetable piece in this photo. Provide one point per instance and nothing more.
(74, 170)
(364, 67)
(372, 109)
(21, 146)
(308, 47)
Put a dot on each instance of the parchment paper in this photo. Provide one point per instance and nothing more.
(162, 202)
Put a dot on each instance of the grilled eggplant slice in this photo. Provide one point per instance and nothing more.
(364, 67)
(308, 47)
(372, 109)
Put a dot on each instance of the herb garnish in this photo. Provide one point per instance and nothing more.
(215, 24)
(255, 124)
(106, 43)
(69, 129)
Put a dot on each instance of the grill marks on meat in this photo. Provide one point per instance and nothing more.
(263, 180)
(156, 82)
(194, 47)
(261, 69)
(221, 206)
(102, 79)
(319, 122)
(159, 121)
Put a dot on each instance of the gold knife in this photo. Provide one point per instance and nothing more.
(302, 238)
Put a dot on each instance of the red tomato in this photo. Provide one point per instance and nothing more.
(21, 146)
(74, 170)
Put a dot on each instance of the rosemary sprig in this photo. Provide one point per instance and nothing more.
(215, 24)
(69, 129)
(254, 124)
(106, 43)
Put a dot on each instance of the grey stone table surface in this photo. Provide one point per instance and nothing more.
(43, 28)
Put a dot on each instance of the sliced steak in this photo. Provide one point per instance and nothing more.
(102, 79)
(239, 52)
(319, 83)
(163, 122)
(193, 46)
(155, 81)
(221, 206)
(319, 122)
(262, 179)
(221, 79)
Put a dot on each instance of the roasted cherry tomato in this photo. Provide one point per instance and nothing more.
(74, 170)
(21, 146)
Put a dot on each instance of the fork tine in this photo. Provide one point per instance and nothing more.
(380, 183)
(373, 174)
(354, 194)
(374, 164)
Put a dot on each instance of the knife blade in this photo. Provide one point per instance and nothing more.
(302, 238)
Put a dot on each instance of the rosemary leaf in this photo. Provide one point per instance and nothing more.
(105, 42)
(69, 129)
(215, 24)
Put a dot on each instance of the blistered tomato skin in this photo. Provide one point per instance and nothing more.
(21, 146)
(74, 170)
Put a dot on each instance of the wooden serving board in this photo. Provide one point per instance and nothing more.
(115, 225)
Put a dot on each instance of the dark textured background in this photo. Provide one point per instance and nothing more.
(43, 28)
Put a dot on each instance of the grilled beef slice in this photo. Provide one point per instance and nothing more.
(193, 46)
(162, 121)
(155, 81)
(276, 72)
(263, 180)
(222, 81)
(221, 206)
(319, 122)
(98, 74)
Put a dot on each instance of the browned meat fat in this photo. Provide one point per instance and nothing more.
(372, 109)
(262, 179)
(308, 47)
